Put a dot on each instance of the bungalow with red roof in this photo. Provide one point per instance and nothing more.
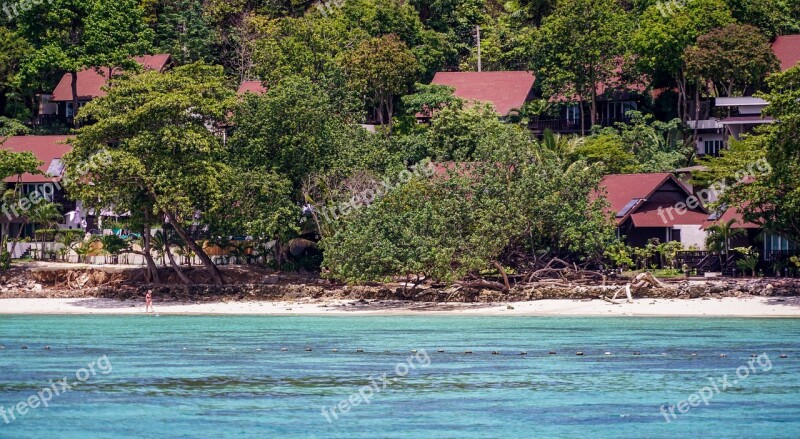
(615, 98)
(90, 84)
(654, 206)
(45, 186)
(506, 91)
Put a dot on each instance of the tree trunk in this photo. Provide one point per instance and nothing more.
(16, 239)
(593, 111)
(389, 112)
(582, 116)
(177, 267)
(213, 270)
(148, 258)
(683, 106)
(696, 111)
(74, 86)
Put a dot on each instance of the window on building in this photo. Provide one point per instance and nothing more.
(573, 113)
(617, 111)
(776, 244)
(69, 108)
(712, 147)
(45, 190)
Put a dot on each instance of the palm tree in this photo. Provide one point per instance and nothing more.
(158, 242)
(46, 215)
(720, 236)
(67, 239)
(112, 246)
(563, 147)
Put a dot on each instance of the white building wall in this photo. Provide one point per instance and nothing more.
(692, 235)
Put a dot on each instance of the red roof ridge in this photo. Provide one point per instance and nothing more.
(46, 148)
(625, 193)
(505, 90)
(787, 49)
(91, 82)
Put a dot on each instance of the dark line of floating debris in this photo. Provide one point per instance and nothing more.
(414, 351)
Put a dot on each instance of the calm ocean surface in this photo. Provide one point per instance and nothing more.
(204, 377)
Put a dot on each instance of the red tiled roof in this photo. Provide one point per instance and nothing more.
(731, 214)
(45, 148)
(504, 90)
(648, 215)
(630, 192)
(157, 62)
(622, 188)
(787, 49)
(91, 82)
(256, 87)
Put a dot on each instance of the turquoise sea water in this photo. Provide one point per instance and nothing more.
(204, 377)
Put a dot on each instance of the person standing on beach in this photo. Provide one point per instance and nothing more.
(148, 301)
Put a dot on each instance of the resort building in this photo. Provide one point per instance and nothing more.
(506, 91)
(787, 49)
(740, 115)
(655, 206)
(615, 98)
(90, 82)
(38, 188)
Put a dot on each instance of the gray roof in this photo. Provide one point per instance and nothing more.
(740, 102)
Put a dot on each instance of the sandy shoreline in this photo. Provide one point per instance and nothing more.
(724, 307)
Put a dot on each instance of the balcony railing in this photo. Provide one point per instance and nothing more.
(572, 126)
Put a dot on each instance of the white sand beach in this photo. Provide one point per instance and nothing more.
(724, 307)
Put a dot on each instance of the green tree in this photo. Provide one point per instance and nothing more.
(720, 235)
(608, 150)
(381, 68)
(113, 245)
(293, 130)
(181, 28)
(518, 202)
(13, 49)
(168, 163)
(47, 216)
(70, 35)
(735, 59)
(467, 135)
(579, 47)
(770, 16)
(428, 98)
(12, 127)
(656, 146)
(14, 164)
(660, 39)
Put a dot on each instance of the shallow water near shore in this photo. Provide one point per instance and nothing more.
(227, 376)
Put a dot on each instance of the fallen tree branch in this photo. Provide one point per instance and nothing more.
(502, 272)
